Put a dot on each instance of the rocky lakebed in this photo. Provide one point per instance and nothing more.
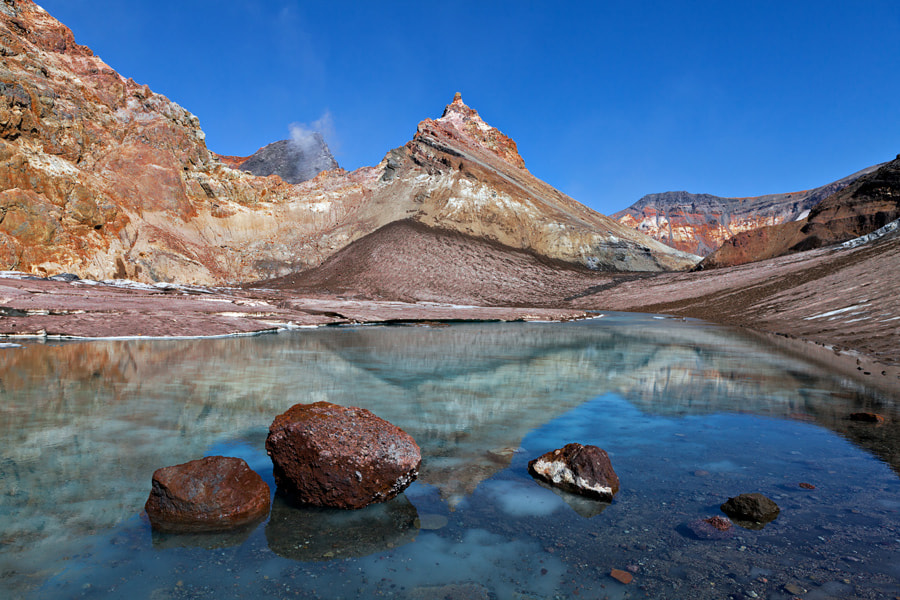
(689, 415)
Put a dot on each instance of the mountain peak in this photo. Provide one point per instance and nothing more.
(460, 118)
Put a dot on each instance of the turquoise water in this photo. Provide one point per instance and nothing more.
(689, 413)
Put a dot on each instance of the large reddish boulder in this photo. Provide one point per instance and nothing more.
(210, 494)
(342, 457)
(579, 469)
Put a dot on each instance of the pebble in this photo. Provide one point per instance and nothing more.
(621, 576)
(793, 588)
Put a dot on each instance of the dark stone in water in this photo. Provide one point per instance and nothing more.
(210, 494)
(578, 469)
(340, 457)
(311, 533)
(867, 417)
(751, 511)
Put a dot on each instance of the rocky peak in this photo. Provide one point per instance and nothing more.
(103, 178)
(35, 24)
(295, 160)
(459, 120)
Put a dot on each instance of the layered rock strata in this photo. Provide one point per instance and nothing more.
(869, 203)
(700, 223)
(101, 177)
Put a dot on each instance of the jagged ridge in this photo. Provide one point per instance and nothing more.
(104, 178)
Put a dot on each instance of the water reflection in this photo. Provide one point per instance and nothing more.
(314, 534)
(85, 424)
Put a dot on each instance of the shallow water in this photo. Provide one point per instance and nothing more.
(689, 413)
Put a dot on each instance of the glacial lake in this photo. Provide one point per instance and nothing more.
(690, 414)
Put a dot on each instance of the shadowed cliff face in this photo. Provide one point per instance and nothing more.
(101, 177)
(700, 223)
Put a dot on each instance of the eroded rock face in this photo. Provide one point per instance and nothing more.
(330, 455)
(579, 469)
(700, 223)
(120, 184)
(210, 494)
(751, 510)
(867, 204)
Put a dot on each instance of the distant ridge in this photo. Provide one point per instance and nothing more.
(860, 208)
(700, 223)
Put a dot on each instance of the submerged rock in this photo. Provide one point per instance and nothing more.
(342, 457)
(867, 417)
(210, 494)
(579, 469)
(712, 528)
(751, 511)
(621, 576)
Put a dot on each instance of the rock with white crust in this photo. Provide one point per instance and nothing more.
(578, 469)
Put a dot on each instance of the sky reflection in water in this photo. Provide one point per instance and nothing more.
(689, 413)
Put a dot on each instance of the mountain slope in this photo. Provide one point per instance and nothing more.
(412, 262)
(842, 296)
(700, 223)
(460, 174)
(101, 177)
(867, 204)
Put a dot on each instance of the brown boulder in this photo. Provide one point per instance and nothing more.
(210, 494)
(342, 457)
(579, 469)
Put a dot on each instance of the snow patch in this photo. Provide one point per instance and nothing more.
(836, 312)
(878, 233)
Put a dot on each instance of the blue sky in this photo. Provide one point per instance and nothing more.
(607, 101)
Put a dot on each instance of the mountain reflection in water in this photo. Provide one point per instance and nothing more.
(85, 424)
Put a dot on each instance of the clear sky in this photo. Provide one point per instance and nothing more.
(607, 101)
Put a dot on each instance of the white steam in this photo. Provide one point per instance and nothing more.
(303, 135)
